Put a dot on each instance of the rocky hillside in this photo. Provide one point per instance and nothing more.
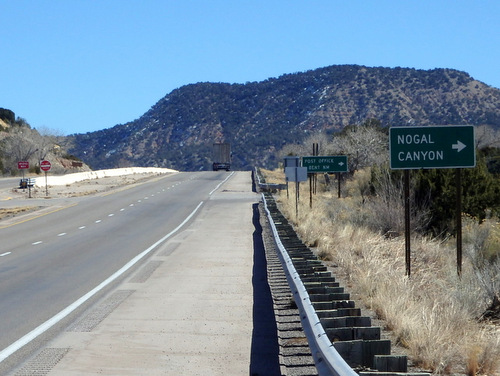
(258, 118)
(20, 142)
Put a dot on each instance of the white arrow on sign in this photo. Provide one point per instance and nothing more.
(341, 163)
(459, 146)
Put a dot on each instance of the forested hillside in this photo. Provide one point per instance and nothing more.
(258, 118)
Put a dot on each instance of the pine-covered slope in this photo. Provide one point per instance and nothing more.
(258, 118)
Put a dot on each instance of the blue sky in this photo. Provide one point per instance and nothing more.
(76, 66)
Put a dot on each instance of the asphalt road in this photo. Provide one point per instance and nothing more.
(9, 183)
(49, 262)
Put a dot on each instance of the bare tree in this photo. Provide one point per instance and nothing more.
(25, 144)
(19, 146)
(487, 137)
(46, 140)
(364, 145)
(306, 147)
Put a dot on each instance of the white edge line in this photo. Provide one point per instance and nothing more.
(222, 182)
(11, 349)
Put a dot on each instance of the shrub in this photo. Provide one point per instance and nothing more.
(428, 312)
(480, 191)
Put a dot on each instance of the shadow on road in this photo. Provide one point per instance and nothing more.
(264, 358)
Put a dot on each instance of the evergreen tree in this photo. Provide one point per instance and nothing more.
(480, 194)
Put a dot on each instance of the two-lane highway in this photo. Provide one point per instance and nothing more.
(50, 262)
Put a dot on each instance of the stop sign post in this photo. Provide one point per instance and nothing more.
(45, 166)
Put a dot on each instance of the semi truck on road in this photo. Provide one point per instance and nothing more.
(222, 156)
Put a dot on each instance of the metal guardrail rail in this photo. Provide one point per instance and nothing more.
(342, 342)
(328, 361)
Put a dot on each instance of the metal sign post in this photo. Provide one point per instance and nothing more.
(313, 181)
(330, 163)
(23, 165)
(407, 221)
(45, 166)
(458, 184)
(448, 146)
(290, 161)
(296, 174)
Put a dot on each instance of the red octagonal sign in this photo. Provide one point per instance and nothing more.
(45, 165)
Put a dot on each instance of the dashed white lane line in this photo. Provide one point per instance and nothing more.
(97, 221)
(27, 338)
(5, 254)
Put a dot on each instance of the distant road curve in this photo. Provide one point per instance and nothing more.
(89, 175)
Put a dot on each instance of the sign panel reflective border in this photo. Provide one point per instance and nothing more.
(329, 163)
(444, 146)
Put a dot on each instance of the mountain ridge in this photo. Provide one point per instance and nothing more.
(259, 118)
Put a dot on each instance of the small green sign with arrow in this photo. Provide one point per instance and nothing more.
(331, 163)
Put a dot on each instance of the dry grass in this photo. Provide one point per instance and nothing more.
(433, 314)
(11, 212)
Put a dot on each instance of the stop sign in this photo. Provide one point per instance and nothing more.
(45, 165)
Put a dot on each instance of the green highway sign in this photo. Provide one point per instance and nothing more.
(325, 164)
(447, 146)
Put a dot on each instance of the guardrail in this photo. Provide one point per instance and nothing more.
(267, 187)
(326, 358)
(342, 342)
